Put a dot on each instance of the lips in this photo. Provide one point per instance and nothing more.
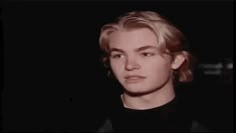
(134, 78)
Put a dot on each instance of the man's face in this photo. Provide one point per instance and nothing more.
(136, 61)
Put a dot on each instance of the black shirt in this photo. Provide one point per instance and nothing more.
(173, 116)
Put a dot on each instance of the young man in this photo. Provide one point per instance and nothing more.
(147, 55)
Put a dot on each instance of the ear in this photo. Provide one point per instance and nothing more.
(178, 61)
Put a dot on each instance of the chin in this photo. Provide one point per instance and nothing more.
(137, 92)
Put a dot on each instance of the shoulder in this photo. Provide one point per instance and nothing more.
(195, 127)
(106, 126)
(198, 127)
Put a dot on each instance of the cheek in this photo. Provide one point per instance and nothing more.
(159, 69)
(116, 68)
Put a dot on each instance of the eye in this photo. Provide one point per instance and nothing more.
(116, 56)
(147, 54)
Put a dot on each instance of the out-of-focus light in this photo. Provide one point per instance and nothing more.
(212, 66)
(229, 66)
(212, 72)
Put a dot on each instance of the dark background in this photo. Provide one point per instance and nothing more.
(55, 82)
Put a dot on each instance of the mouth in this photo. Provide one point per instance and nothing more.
(134, 78)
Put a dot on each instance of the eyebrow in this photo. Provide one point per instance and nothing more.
(138, 49)
(146, 47)
(116, 50)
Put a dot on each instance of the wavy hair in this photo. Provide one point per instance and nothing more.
(170, 39)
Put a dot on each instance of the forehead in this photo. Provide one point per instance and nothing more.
(132, 38)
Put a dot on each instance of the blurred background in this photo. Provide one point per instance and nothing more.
(53, 80)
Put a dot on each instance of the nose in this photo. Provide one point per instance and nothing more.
(131, 64)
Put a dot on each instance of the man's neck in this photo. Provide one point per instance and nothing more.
(148, 101)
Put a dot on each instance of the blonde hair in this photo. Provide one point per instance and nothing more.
(170, 39)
